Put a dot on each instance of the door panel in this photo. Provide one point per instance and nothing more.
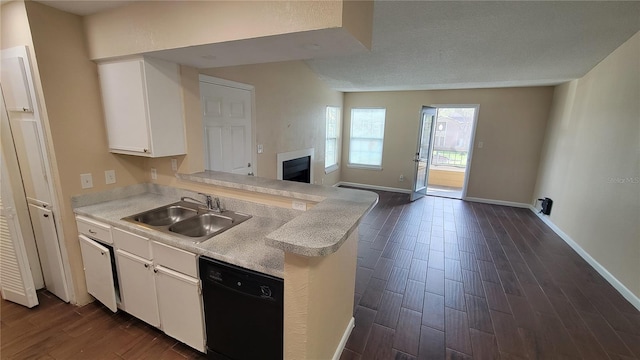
(423, 152)
(238, 147)
(50, 257)
(27, 141)
(228, 109)
(98, 272)
(16, 280)
(214, 147)
(137, 287)
(180, 306)
(16, 84)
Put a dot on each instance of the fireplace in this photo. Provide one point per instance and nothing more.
(296, 166)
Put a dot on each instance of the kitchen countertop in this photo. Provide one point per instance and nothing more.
(243, 245)
(321, 230)
(258, 243)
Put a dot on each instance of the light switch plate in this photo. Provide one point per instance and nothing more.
(86, 180)
(480, 144)
(260, 148)
(110, 177)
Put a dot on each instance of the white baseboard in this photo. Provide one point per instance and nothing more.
(623, 290)
(345, 337)
(373, 187)
(497, 202)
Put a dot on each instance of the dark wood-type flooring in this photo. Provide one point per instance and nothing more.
(442, 278)
(57, 330)
(436, 279)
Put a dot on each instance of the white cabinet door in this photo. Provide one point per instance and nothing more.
(181, 307)
(137, 287)
(142, 100)
(125, 107)
(50, 257)
(98, 272)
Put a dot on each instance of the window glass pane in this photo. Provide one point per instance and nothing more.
(367, 136)
(332, 135)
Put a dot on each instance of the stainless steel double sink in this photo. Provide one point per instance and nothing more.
(186, 219)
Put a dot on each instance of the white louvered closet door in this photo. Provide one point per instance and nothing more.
(16, 281)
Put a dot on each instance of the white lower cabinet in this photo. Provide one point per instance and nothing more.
(97, 271)
(137, 287)
(154, 282)
(180, 303)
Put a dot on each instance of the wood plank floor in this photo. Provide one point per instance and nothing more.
(437, 278)
(56, 330)
(446, 279)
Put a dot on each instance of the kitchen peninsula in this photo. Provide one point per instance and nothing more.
(314, 251)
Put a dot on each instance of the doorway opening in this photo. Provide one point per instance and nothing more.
(451, 140)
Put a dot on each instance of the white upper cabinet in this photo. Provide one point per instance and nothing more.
(142, 100)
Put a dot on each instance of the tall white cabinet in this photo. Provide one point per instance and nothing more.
(142, 100)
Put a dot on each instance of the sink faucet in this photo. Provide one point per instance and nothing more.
(212, 204)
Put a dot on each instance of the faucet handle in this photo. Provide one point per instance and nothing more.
(218, 204)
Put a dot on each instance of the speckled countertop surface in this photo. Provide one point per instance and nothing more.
(243, 245)
(258, 243)
(319, 231)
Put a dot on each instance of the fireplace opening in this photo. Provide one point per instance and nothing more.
(297, 169)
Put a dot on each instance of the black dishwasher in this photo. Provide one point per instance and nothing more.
(243, 312)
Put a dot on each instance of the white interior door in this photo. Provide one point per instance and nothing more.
(226, 121)
(423, 152)
(28, 138)
(16, 280)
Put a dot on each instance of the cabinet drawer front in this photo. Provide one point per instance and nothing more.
(135, 244)
(94, 229)
(176, 259)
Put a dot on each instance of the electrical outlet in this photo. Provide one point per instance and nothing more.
(299, 205)
(480, 144)
(154, 174)
(110, 177)
(86, 180)
(174, 164)
(260, 148)
(401, 177)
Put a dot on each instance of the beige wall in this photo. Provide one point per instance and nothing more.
(150, 25)
(590, 164)
(74, 121)
(14, 25)
(290, 105)
(318, 301)
(511, 124)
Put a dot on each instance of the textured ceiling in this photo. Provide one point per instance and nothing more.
(446, 45)
(438, 44)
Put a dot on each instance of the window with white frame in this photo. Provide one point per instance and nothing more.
(366, 137)
(332, 140)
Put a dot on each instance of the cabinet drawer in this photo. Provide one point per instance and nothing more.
(135, 244)
(174, 258)
(94, 229)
